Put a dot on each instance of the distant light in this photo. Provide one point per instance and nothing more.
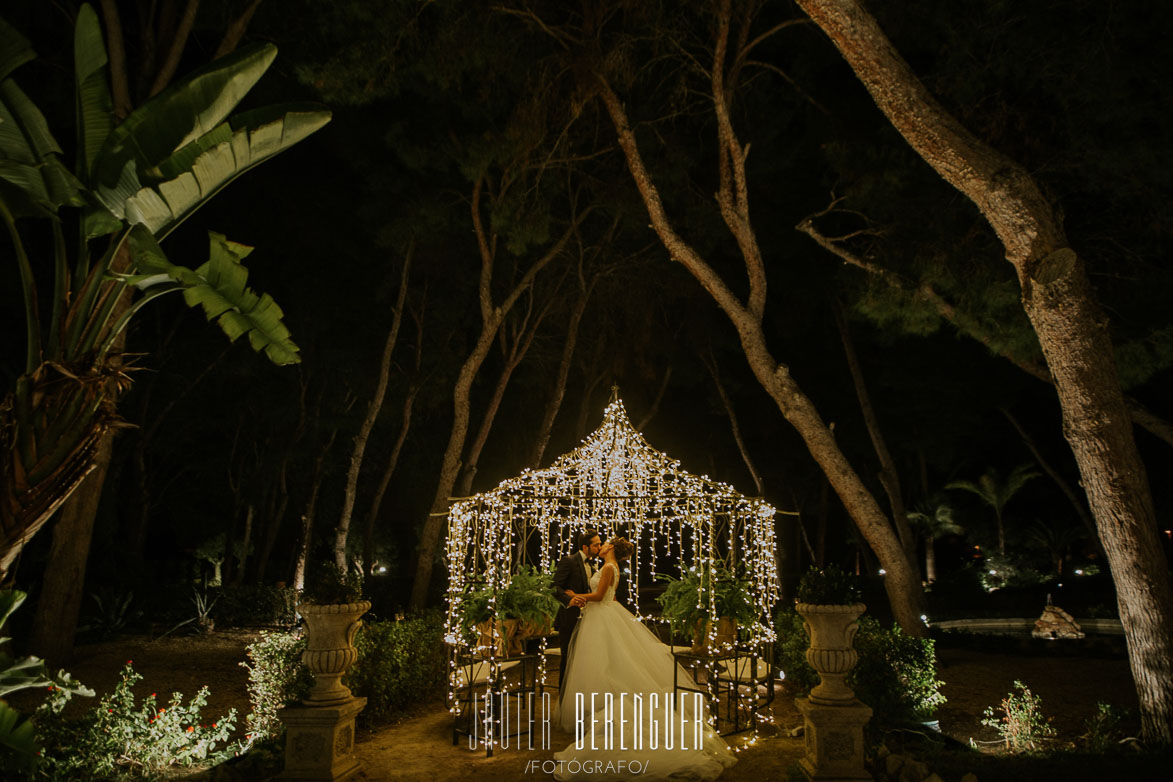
(1079, 572)
(382, 568)
(977, 548)
(781, 675)
(924, 618)
(883, 572)
(993, 572)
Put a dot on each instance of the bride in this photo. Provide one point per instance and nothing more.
(619, 697)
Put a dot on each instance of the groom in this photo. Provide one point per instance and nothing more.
(572, 576)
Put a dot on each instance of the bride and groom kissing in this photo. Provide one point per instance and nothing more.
(617, 692)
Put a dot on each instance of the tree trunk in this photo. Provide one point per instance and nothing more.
(1072, 332)
(930, 560)
(711, 365)
(342, 531)
(554, 404)
(1077, 504)
(58, 609)
(368, 549)
(901, 583)
(242, 560)
(311, 509)
(889, 476)
(491, 319)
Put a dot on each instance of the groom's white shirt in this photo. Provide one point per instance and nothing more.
(586, 567)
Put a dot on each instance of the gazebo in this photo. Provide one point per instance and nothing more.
(618, 484)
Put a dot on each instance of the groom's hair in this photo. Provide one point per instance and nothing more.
(586, 537)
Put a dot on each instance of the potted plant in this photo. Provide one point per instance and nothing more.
(685, 604)
(828, 600)
(332, 607)
(502, 619)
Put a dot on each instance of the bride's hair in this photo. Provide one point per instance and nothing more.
(623, 548)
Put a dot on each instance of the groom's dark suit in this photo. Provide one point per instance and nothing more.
(570, 574)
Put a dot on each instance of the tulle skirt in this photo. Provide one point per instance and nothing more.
(644, 731)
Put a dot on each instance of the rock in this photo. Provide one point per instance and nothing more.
(913, 771)
(969, 777)
(892, 764)
(1056, 623)
(796, 732)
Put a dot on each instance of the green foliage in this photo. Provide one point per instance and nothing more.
(399, 663)
(1008, 571)
(1019, 720)
(896, 674)
(111, 612)
(122, 739)
(255, 604)
(328, 585)
(828, 586)
(18, 741)
(1102, 731)
(790, 651)
(276, 678)
(686, 600)
(529, 596)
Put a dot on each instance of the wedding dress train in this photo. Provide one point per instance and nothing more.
(643, 731)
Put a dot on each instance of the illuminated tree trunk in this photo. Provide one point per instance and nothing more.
(342, 530)
(492, 317)
(1072, 332)
(902, 584)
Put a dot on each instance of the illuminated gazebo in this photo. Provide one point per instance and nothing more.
(618, 484)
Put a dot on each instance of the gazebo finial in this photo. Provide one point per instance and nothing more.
(614, 393)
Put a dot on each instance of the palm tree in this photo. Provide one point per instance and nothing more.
(1056, 539)
(996, 492)
(933, 518)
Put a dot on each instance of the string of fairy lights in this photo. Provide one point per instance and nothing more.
(617, 484)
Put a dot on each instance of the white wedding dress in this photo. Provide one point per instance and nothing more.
(612, 652)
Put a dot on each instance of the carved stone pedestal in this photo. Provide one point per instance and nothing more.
(319, 742)
(834, 740)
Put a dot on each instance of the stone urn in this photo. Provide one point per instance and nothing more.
(831, 629)
(330, 631)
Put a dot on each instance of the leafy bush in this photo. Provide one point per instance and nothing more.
(1003, 571)
(528, 597)
(18, 741)
(254, 605)
(119, 739)
(896, 674)
(399, 663)
(1019, 720)
(276, 678)
(828, 586)
(1102, 731)
(328, 585)
(685, 600)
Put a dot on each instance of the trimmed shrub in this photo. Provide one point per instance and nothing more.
(896, 674)
(276, 678)
(399, 663)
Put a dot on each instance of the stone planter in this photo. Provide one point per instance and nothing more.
(330, 631)
(831, 629)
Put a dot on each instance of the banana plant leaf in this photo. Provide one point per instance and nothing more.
(15, 50)
(219, 287)
(17, 737)
(198, 171)
(30, 156)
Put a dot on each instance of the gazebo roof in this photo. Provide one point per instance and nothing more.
(614, 462)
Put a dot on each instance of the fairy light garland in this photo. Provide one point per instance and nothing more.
(617, 483)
